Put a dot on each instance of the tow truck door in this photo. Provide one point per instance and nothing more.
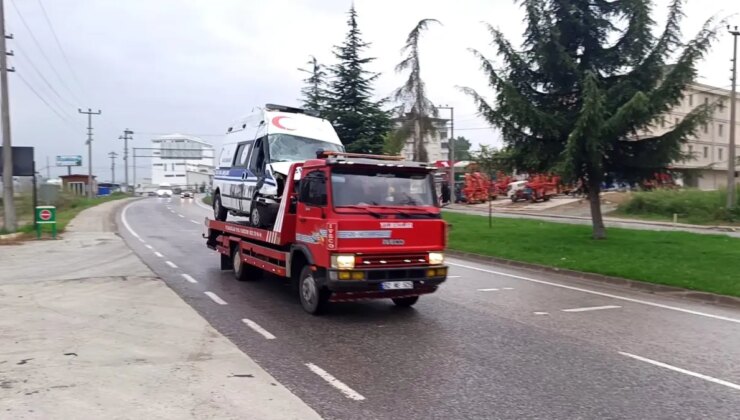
(311, 210)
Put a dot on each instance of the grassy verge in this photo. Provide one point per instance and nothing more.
(691, 206)
(69, 206)
(208, 200)
(700, 262)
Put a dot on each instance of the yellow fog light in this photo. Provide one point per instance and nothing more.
(358, 275)
(441, 271)
(431, 272)
(343, 261)
(343, 275)
(436, 258)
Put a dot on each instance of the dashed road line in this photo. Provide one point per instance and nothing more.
(159, 254)
(195, 221)
(507, 288)
(541, 313)
(149, 246)
(214, 297)
(684, 371)
(256, 327)
(592, 308)
(181, 215)
(593, 292)
(488, 290)
(171, 264)
(453, 277)
(336, 383)
(189, 278)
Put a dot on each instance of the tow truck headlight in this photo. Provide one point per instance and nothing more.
(343, 261)
(436, 258)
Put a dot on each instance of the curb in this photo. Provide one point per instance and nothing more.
(10, 236)
(704, 297)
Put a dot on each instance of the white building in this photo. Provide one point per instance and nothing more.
(708, 168)
(437, 146)
(175, 155)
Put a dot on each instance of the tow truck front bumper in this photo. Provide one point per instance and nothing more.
(371, 284)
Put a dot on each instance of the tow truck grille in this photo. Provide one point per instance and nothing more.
(376, 261)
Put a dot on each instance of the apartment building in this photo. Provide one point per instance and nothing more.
(437, 146)
(707, 170)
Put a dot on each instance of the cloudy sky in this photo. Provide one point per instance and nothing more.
(191, 66)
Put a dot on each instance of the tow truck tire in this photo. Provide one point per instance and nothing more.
(242, 270)
(406, 302)
(219, 211)
(314, 299)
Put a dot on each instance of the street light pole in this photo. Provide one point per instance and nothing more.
(89, 113)
(732, 155)
(125, 137)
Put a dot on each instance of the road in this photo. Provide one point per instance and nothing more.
(492, 343)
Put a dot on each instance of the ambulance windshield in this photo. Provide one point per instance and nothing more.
(290, 148)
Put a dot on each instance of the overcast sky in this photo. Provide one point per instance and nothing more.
(191, 66)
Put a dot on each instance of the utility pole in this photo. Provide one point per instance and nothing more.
(732, 155)
(451, 150)
(112, 156)
(48, 169)
(8, 202)
(125, 137)
(89, 113)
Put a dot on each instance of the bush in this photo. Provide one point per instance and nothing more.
(691, 205)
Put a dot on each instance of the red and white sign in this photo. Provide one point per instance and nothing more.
(45, 215)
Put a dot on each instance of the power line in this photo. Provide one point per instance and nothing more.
(43, 100)
(46, 81)
(41, 50)
(59, 44)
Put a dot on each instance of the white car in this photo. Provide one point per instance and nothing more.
(186, 194)
(257, 155)
(164, 192)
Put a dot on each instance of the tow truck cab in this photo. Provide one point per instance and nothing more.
(350, 227)
(373, 225)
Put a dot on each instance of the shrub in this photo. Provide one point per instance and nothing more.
(691, 205)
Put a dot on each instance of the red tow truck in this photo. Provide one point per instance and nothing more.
(349, 227)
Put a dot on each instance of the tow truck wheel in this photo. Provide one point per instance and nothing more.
(406, 302)
(313, 299)
(219, 212)
(242, 271)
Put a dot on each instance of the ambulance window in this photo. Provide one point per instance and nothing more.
(241, 155)
(257, 160)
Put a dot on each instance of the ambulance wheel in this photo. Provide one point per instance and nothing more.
(219, 211)
(242, 270)
(314, 299)
(260, 215)
(406, 302)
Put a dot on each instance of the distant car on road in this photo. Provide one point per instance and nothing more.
(164, 192)
(186, 194)
(152, 194)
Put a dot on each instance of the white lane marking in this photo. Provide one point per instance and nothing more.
(189, 278)
(214, 297)
(202, 204)
(195, 221)
(141, 240)
(592, 308)
(488, 290)
(125, 222)
(149, 246)
(609, 295)
(171, 264)
(684, 371)
(507, 288)
(541, 313)
(453, 277)
(159, 254)
(336, 383)
(255, 326)
(181, 215)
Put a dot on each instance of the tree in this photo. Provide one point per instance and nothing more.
(492, 160)
(394, 141)
(462, 148)
(415, 110)
(314, 93)
(360, 122)
(590, 80)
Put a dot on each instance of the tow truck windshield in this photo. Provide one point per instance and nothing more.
(382, 189)
(290, 148)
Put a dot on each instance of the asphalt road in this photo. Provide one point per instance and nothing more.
(492, 343)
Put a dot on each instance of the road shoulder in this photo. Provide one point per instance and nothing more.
(88, 328)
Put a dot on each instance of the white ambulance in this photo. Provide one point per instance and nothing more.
(256, 157)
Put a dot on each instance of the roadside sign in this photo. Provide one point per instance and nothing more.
(69, 160)
(46, 215)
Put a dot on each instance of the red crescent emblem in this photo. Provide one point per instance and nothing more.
(276, 123)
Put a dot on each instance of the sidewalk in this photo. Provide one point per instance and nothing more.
(608, 221)
(88, 332)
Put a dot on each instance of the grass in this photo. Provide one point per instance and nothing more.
(208, 200)
(691, 206)
(709, 263)
(68, 206)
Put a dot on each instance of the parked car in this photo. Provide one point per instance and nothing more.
(186, 194)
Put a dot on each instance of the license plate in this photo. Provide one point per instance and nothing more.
(397, 285)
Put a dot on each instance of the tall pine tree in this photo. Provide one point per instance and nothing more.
(591, 79)
(360, 122)
(314, 93)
